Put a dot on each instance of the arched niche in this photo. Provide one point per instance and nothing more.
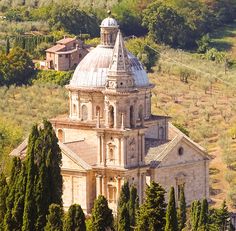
(131, 112)
(84, 113)
(111, 116)
(60, 135)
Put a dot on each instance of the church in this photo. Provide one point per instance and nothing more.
(110, 135)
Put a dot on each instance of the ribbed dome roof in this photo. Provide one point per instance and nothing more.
(109, 22)
(92, 70)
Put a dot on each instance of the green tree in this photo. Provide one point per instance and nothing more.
(29, 215)
(195, 214)
(166, 25)
(54, 218)
(9, 222)
(145, 49)
(102, 217)
(151, 215)
(75, 219)
(133, 205)
(3, 196)
(7, 46)
(203, 220)
(182, 210)
(171, 214)
(124, 194)
(124, 219)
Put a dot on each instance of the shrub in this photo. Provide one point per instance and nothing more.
(52, 77)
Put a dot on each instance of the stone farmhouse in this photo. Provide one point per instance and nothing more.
(110, 135)
(65, 55)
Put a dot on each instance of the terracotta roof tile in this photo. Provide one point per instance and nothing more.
(56, 48)
(66, 40)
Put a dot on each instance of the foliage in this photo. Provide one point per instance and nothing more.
(75, 219)
(16, 67)
(3, 196)
(102, 218)
(52, 77)
(182, 210)
(203, 44)
(203, 220)
(151, 215)
(215, 55)
(128, 15)
(73, 20)
(165, 25)
(181, 128)
(171, 214)
(54, 218)
(145, 49)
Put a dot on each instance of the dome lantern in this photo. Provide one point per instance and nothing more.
(109, 29)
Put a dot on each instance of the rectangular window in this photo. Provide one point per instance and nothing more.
(67, 56)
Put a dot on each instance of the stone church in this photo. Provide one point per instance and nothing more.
(110, 135)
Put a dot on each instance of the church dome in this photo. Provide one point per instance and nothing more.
(93, 69)
(109, 22)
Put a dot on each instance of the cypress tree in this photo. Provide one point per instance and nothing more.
(9, 223)
(152, 213)
(124, 195)
(195, 214)
(54, 218)
(30, 209)
(203, 220)
(3, 197)
(182, 210)
(18, 209)
(124, 219)
(171, 214)
(102, 218)
(75, 219)
(48, 186)
(133, 205)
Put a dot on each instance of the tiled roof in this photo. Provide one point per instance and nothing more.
(85, 150)
(66, 40)
(56, 48)
(156, 150)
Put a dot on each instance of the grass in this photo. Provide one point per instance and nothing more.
(224, 39)
(28, 105)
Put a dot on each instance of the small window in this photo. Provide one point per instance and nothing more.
(181, 151)
(67, 56)
(60, 56)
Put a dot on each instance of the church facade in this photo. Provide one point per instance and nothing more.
(110, 135)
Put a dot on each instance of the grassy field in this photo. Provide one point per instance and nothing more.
(224, 39)
(28, 105)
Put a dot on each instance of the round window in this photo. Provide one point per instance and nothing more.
(181, 151)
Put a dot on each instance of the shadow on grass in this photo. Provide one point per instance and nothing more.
(215, 191)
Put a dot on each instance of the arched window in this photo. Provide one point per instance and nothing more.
(84, 113)
(131, 116)
(140, 114)
(60, 135)
(98, 110)
(74, 109)
(111, 154)
(111, 117)
(161, 133)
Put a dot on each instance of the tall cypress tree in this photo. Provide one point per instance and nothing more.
(9, 223)
(48, 186)
(7, 46)
(171, 214)
(195, 214)
(182, 210)
(133, 205)
(75, 219)
(55, 218)
(152, 213)
(102, 218)
(124, 219)
(3, 197)
(18, 209)
(203, 220)
(124, 194)
(30, 209)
